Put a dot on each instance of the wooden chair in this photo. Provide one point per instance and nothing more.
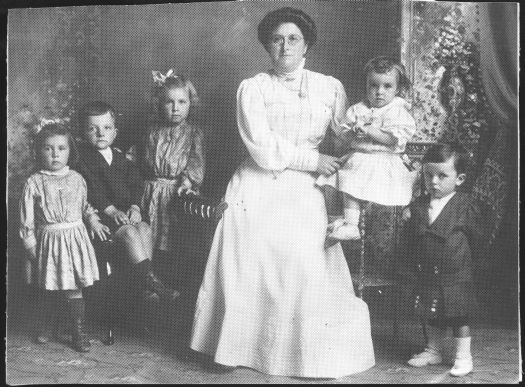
(197, 218)
(110, 286)
(365, 280)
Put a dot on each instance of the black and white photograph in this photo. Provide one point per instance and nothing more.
(262, 192)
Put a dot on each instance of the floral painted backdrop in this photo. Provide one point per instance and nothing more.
(60, 60)
(448, 100)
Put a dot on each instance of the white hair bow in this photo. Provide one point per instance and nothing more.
(160, 78)
(45, 121)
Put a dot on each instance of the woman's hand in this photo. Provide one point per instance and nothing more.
(328, 165)
(134, 214)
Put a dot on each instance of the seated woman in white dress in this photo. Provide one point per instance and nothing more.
(273, 298)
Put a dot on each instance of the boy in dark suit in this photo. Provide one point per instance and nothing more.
(114, 189)
(444, 226)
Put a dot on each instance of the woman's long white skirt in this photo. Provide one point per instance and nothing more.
(273, 298)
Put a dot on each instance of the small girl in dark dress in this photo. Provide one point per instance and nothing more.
(444, 226)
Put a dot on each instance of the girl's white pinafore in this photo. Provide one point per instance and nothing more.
(273, 298)
(375, 172)
(52, 208)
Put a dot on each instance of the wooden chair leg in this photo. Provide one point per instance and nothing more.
(395, 326)
(362, 228)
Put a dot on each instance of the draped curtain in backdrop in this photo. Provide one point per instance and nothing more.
(498, 58)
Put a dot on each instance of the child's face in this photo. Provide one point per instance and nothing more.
(441, 179)
(175, 105)
(100, 131)
(381, 88)
(55, 152)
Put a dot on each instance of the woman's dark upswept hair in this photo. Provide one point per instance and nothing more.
(384, 64)
(279, 16)
(51, 130)
(442, 152)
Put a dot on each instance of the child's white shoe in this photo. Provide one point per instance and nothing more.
(345, 232)
(463, 363)
(462, 367)
(425, 358)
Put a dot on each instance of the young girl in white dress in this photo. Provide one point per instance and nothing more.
(376, 131)
(53, 206)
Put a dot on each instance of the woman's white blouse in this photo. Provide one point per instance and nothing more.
(282, 128)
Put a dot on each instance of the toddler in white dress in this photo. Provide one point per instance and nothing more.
(374, 132)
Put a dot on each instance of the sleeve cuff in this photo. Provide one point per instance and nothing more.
(305, 160)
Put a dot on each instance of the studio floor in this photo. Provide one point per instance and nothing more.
(158, 354)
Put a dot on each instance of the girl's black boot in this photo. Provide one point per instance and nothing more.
(80, 340)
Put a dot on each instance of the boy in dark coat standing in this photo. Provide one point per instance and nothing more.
(444, 226)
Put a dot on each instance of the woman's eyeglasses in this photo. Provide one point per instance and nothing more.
(293, 40)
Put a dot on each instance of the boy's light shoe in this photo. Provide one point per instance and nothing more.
(425, 358)
(345, 232)
(462, 367)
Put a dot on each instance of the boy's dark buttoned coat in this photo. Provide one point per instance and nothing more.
(437, 258)
(119, 184)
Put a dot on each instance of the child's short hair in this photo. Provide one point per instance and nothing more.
(384, 64)
(442, 152)
(50, 130)
(95, 108)
(173, 82)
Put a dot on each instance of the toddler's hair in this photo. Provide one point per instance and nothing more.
(442, 152)
(51, 130)
(95, 108)
(174, 82)
(384, 64)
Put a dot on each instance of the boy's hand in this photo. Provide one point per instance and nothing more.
(134, 215)
(119, 217)
(98, 229)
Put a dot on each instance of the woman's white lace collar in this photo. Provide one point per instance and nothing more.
(291, 75)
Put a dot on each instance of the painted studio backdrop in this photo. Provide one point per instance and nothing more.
(59, 58)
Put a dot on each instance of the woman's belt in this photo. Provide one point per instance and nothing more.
(61, 226)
